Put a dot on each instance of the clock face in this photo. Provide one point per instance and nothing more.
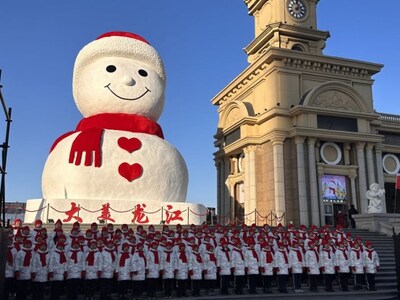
(297, 9)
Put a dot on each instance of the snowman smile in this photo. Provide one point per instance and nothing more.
(123, 98)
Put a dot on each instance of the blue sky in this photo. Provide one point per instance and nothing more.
(201, 43)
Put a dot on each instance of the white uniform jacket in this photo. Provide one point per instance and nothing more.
(124, 271)
(24, 271)
(312, 262)
(281, 263)
(10, 266)
(153, 268)
(267, 268)
(224, 262)
(237, 262)
(74, 269)
(108, 264)
(328, 262)
(371, 261)
(343, 260)
(295, 263)
(210, 266)
(139, 263)
(170, 266)
(58, 269)
(195, 266)
(357, 262)
(92, 270)
(252, 263)
(41, 272)
(182, 266)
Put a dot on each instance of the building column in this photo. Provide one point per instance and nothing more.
(370, 164)
(379, 171)
(315, 205)
(362, 180)
(279, 177)
(353, 190)
(250, 184)
(301, 181)
(220, 208)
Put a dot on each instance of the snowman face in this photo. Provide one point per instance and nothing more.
(119, 85)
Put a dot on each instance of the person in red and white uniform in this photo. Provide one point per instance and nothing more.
(267, 267)
(313, 265)
(343, 266)
(108, 268)
(210, 269)
(357, 265)
(281, 260)
(40, 265)
(9, 287)
(93, 268)
(182, 273)
(75, 270)
(168, 265)
(224, 258)
(371, 260)
(238, 266)
(153, 269)
(296, 265)
(23, 269)
(195, 269)
(328, 264)
(252, 264)
(123, 271)
(139, 265)
(57, 270)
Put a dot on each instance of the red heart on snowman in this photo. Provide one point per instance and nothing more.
(130, 172)
(129, 145)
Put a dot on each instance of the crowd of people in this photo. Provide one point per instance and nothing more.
(197, 259)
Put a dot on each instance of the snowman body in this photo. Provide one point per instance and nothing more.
(135, 166)
(117, 77)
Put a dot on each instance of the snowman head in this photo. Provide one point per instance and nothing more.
(119, 72)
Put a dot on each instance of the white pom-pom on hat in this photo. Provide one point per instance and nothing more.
(120, 44)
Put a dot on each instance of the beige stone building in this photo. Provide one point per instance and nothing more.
(298, 135)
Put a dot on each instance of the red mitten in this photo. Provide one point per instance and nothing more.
(232, 270)
(83, 274)
(50, 275)
(99, 273)
(65, 275)
(353, 269)
(277, 269)
(219, 269)
(135, 272)
(290, 270)
(205, 272)
(337, 268)
(322, 269)
(246, 269)
(262, 269)
(16, 274)
(190, 272)
(161, 272)
(175, 271)
(33, 276)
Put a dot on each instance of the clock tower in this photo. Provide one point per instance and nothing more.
(298, 137)
(289, 24)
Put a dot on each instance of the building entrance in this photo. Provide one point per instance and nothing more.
(332, 215)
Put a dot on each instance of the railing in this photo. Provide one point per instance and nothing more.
(255, 217)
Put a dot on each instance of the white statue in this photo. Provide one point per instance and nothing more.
(374, 195)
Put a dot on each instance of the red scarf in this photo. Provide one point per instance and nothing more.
(112, 254)
(240, 252)
(43, 256)
(168, 259)
(226, 254)
(63, 259)
(182, 256)
(358, 252)
(268, 257)
(212, 257)
(74, 255)
(284, 255)
(255, 255)
(10, 258)
(141, 254)
(90, 257)
(299, 256)
(344, 253)
(198, 257)
(156, 260)
(316, 253)
(369, 253)
(91, 131)
(27, 258)
(123, 258)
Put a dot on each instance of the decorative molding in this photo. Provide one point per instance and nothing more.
(335, 100)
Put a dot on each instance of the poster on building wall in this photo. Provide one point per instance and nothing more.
(333, 188)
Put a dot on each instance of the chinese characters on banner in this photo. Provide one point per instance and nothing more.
(140, 216)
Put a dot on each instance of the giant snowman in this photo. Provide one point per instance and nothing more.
(117, 151)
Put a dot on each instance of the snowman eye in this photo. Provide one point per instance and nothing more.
(111, 69)
(142, 73)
